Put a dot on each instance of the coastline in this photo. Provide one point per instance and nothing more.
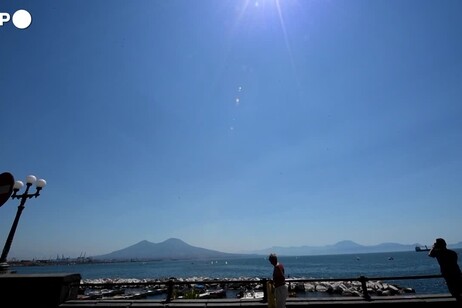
(244, 287)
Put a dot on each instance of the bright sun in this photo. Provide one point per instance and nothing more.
(265, 10)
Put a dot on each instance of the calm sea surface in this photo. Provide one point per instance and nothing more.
(371, 265)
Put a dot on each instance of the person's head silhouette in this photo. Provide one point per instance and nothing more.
(440, 243)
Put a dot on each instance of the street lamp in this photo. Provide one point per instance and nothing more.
(30, 180)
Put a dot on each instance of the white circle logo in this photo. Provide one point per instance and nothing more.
(22, 19)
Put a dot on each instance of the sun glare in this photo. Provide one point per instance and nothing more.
(265, 11)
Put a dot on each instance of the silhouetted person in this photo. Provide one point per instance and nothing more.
(450, 270)
(281, 291)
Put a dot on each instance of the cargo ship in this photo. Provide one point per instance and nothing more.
(422, 248)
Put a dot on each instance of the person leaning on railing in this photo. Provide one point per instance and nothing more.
(450, 270)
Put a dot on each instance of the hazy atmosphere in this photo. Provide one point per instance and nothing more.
(232, 125)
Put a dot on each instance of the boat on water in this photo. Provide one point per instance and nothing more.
(250, 294)
(422, 248)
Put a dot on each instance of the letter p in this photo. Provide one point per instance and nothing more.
(4, 17)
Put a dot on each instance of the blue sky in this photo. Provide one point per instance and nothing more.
(232, 125)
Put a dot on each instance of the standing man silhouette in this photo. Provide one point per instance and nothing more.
(450, 270)
(281, 291)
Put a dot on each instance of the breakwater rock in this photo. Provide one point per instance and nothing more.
(243, 287)
(350, 288)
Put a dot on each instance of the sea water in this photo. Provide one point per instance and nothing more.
(389, 264)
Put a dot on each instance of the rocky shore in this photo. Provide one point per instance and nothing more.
(244, 287)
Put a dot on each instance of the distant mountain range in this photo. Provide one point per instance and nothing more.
(176, 249)
(343, 247)
(171, 249)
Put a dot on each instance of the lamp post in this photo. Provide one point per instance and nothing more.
(30, 180)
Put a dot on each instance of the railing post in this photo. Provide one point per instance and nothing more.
(363, 280)
(265, 290)
(169, 291)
